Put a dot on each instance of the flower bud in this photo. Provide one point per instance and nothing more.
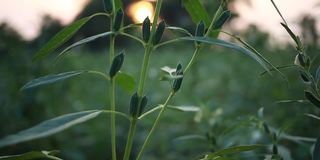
(221, 20)
(178, 81)
(134, 104)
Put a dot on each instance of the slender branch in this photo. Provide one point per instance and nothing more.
(155, 124)
(150, 111)
(145, 66)
(112, 90)
(133, 37)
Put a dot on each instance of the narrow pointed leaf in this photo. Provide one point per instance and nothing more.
(196, 11)
(312, 98)
(84, 41)
(32, 155)
(318, 74)
(313, 116)
(49, 127)
(60, 38)
(125, 81)
(316, 151)
(230, 45)
(49, 79)
(234, 150)
(185, 108)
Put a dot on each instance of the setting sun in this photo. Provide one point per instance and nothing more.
(140, 10)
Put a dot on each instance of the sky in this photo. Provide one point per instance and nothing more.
(26, 15)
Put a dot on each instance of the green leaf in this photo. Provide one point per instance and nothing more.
(230, 45)
(233, 150)
(196, 11)
(279, 68)
(293, 36)
(318, 74)
(184, 108)
(313, 99)
(61, 37)
(32, 155)
(118, 4)
(125, 81)
(313, 116)
(179, 29)
(191, 137)
(49, 127)
(84, 41)
(52, 78)
(316, 151)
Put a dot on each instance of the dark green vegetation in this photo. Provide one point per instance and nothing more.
(226, 105)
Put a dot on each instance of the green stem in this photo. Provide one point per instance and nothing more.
(113, 99)
(144, 70)
(155, 124)
(195, 54)
(194, 57)
(132, 130)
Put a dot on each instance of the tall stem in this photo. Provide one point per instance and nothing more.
(132, 129)
(143, 75)
(191, 62)
(154, 126)
(112, 94)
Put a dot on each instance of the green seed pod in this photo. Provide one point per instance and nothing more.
(222, 19)
(312, 98)
(134, 104)
(178, 81)
(146, 29)
(159, 32)
(275, 149)
(266, 128)
(305, 78)
(200, 29)
(302, 60)
(143, 104)
(118, 20)
(116, 64)
(107, 4)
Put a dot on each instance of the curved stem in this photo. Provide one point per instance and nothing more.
(155, 124)
(100, 74)
(193, 59)
(150, 111)
(168, 42)
(132, 37)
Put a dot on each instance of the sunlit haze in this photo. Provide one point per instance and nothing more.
(140, 10)
(26, 15)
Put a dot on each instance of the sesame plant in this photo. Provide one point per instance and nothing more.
(303, 63)
(206, 34)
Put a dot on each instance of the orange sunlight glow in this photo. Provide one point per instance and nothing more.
(141, 10)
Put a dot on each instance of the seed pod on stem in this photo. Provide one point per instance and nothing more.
(178, 81)
(200, 29)
(118, 20)
(222, 20)
(146, 29)
(159, 32)
(143, 104)
(116, 64)
(134, 104)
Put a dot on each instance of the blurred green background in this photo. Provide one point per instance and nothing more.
(226, 85)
